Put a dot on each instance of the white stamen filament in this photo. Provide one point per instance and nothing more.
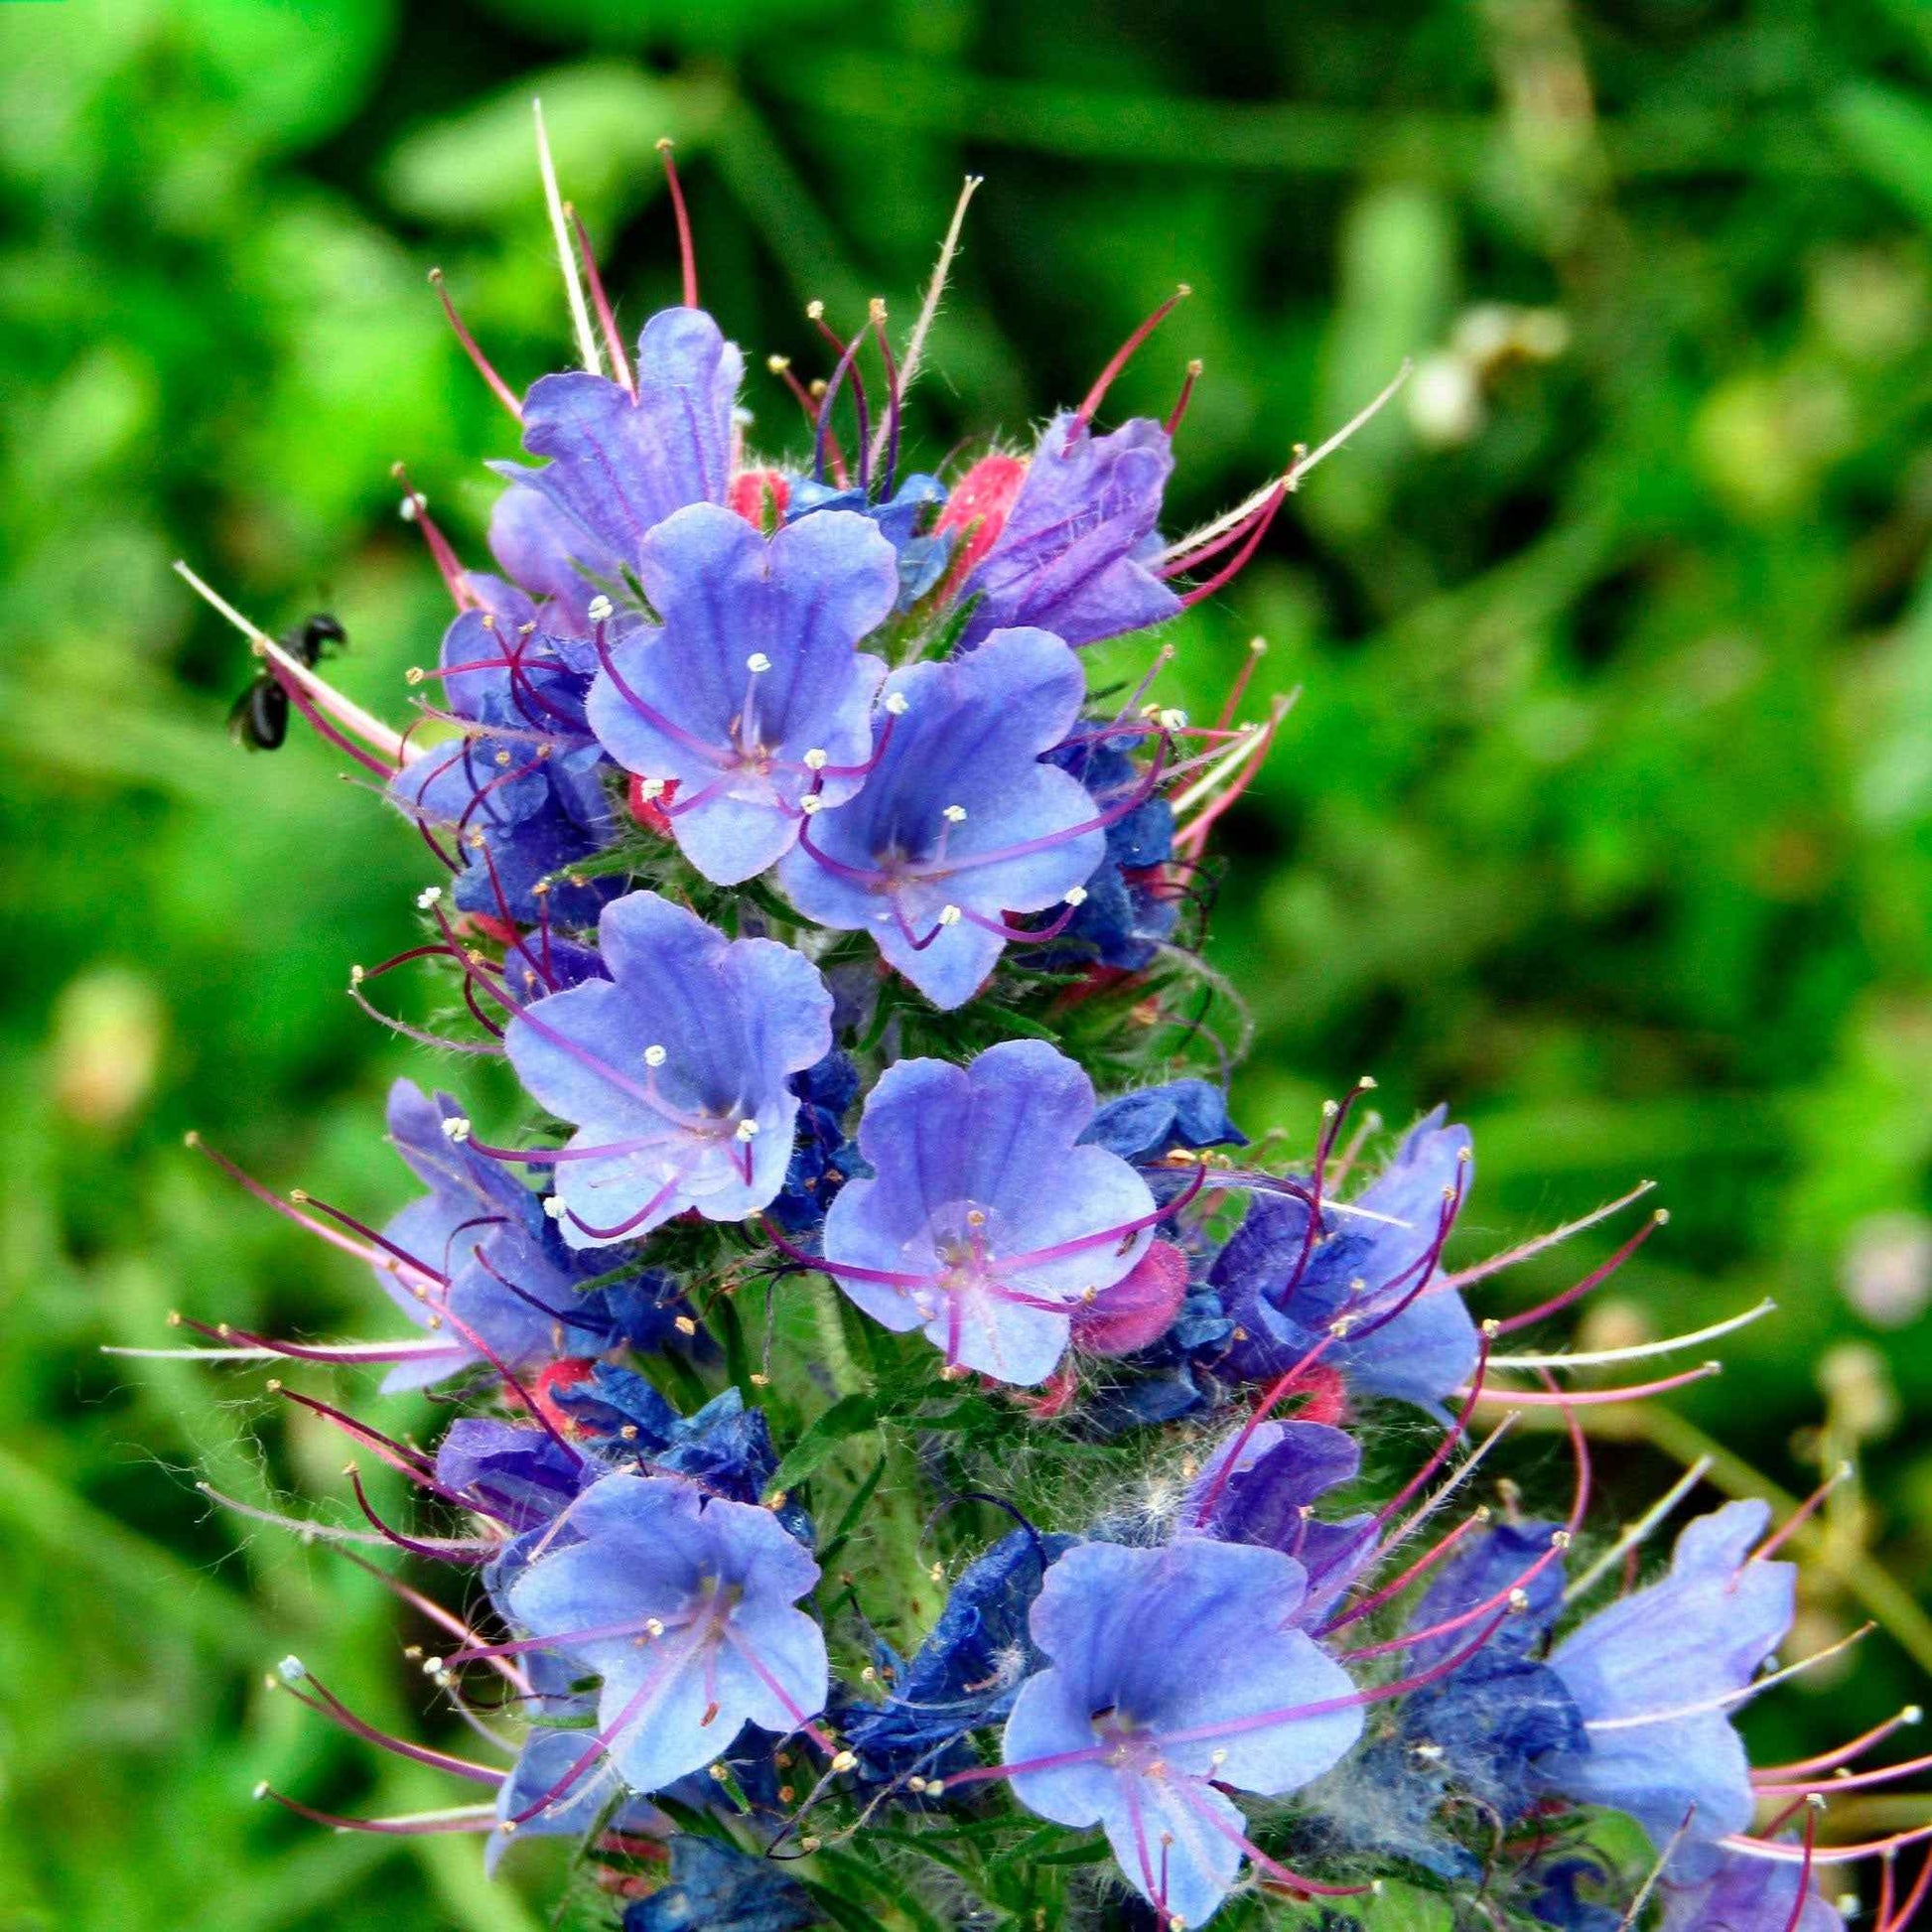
(1642, 1526)
(580, 314)
(373, 731)
(1729, 1698)
(1641, 1350)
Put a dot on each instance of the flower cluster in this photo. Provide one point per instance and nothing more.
(834, 934)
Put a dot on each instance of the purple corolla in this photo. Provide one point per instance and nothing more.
(1175, 1674)
(1656, 1676)
(960, 823)
(1075, 552)
(675, 1070)
(749, 693)
(685, 1608)
(983, 1222)
(617, 466)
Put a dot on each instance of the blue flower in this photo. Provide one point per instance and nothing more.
(902, 520)
(983, 1223)
(967, 1673)
(1655, 1676)
(484, 1261)
(726, 1449)
(1743, 1893)
(749, 693)
(1152, 1122)
(1481, 1732)
(1174, 1673)
(617, 467)
(1268, 1498)
(674, 1071)
(1369, 1267)
(715, 1887)
(1129, 913)
(522, 782)
(684, 1608)
(823, 1158)
(1075, 552)
(960, 822)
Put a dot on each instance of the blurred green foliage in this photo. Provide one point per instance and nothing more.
(1605, 811)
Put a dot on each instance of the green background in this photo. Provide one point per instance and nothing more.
(1606, 813)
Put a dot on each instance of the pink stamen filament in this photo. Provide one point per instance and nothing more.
(1239, 562)
(326, 1705)
(1886, 1775)
(467, 1818)
(447, 1549)
(1800, 1516)
(324, 728)
(1601, 1398)
(1845, 1753)
(1424, 1562)
(497, 386)
(607, 321)
(1104, 381)
(686, 252)
(1180, 410)
(436, 1551)
(1594, 1278)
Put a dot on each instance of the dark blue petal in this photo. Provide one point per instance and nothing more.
(715, 1887)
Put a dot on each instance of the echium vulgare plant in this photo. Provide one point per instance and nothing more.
(914, 1462)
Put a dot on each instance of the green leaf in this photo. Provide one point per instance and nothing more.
(849, 1416)
(1889, 135)
(603, 120)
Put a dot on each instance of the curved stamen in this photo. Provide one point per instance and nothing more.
(448, 1549)
(501, 389)
(326, 1704)
(1594, 1279)
(1104, 381)
(845, 365)
(650, 712)
(686, 253)
(1026, 848)
(637, 1219)
(438, 1551)
(1104, 1237)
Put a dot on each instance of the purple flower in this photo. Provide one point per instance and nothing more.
(1745, 1894)
(1075, 551)
(524, 1477)
(960, 822)
(475, 1261)
(1656, 1675)
(983, 1223)
(749, 693)
(1370, 1268)
(1175, 1671)
(673, 1071)
(685, 1608)
(616, 467)
(1268, 1498)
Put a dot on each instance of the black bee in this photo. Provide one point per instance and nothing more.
(260, 716)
